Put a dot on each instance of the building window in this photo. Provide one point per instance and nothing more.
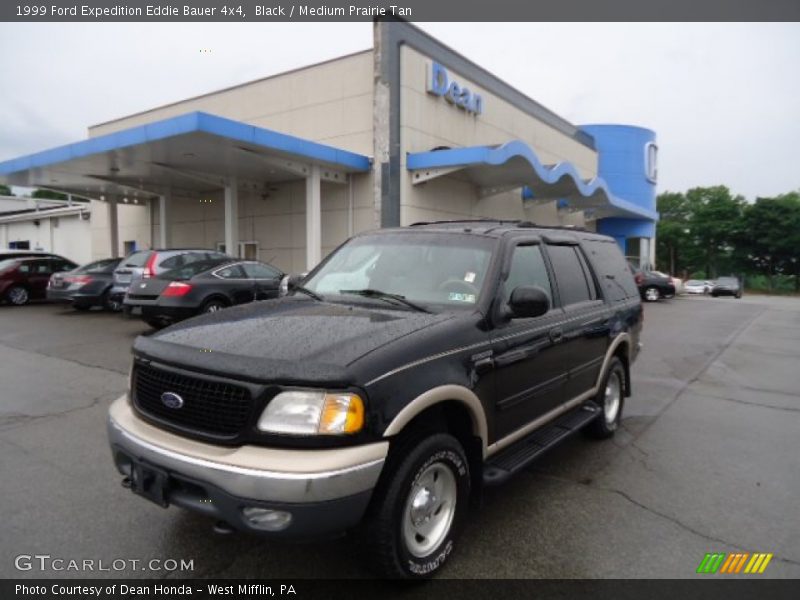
(651, 161)
(20, 245)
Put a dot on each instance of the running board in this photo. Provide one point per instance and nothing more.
(505, 463)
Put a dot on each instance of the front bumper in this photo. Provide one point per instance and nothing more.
(326, 491)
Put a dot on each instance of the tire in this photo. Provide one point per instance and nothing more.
(392, 535)
(611, 399)
(109, 304)
(18, 295)
(651, 294)
(155, 323)
(213, 305)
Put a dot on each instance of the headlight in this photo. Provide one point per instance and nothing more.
(313, 412)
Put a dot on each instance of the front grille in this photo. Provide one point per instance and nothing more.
(214, 408)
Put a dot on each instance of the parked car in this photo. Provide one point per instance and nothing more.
(677, 283)
(86, 286)
(727, 286)
(469, 350)
(203, 286)
(652, 286)
(144, 264)
(15, 253)
(25, 279)
(695, 286)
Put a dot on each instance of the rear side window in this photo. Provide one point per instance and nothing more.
(528, 268)
(180, 260)
(137, 259)
(230, 272)
(613, 271)
(259, 271)
(574, 285)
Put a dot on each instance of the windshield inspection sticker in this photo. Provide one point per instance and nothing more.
(469, 277)
(459, 297)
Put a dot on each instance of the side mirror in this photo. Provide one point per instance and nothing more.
(289, 281)
(528, 301)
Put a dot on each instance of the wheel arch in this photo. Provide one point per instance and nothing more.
(454, 402)
(620, 347)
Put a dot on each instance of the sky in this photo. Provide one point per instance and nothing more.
(724, 99)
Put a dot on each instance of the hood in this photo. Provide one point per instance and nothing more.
(291, 339)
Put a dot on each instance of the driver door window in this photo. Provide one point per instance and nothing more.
(528, 268)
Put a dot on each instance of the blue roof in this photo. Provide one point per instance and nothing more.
(195, 122)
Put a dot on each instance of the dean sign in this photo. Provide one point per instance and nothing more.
(440, 84)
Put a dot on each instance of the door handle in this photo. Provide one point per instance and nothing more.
(556, 335)
(484, 365)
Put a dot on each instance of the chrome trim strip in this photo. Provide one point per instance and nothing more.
(251, 483)
(551, 323)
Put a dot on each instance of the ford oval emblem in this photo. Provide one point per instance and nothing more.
(171, 400)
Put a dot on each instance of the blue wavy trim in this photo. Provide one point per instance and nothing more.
(499, 155)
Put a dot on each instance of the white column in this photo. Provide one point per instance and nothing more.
(644, 252)
(313, 218)
(232, 217)
(653, 252)
(113, 227)
(164, 221)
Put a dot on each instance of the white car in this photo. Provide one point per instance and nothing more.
(695, 286)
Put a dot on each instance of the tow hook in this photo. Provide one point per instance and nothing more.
(126, 483)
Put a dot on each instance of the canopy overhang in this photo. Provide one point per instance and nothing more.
(191, 153)
(514, 165)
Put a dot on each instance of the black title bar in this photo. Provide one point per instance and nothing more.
(411, 10)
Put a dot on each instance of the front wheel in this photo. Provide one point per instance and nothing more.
(418, 508)
(18, 295)
(651, 294)
(610, 398)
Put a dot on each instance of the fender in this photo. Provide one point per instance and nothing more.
(437, 395)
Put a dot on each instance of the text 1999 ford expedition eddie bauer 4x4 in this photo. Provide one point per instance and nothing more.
(411, 368)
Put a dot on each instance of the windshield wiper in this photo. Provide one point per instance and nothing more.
(296, 287)
(370, 293)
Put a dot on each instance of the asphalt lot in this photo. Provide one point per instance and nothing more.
(707, 460)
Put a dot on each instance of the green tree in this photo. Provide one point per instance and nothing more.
(672, 231)
(714, 223)
(48, 194)
(769, 237)
(5, 191)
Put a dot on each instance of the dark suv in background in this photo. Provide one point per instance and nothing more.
(409, 370)
(727, 286)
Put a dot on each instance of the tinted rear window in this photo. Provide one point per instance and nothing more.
(192, 269)
(573, 285)
(137, 259)
(612, 270)
(99, 266)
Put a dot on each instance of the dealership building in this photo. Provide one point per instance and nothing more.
(286, 168)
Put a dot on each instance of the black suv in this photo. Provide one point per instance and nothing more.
(409, 369)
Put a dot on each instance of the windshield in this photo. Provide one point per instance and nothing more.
(192, 269)
(727, 281)
(444, 270)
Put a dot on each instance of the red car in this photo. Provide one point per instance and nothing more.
(25, 279)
